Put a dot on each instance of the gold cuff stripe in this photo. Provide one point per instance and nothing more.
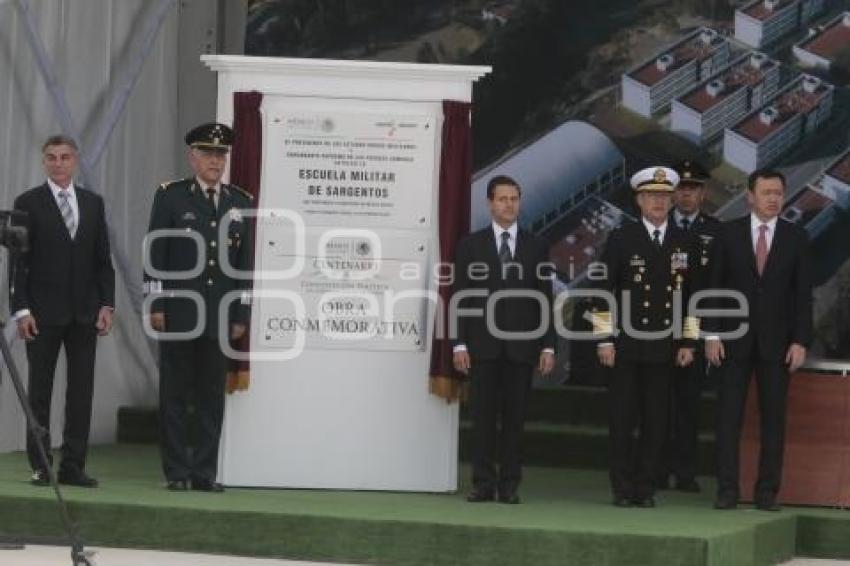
(602, 325)
(691, 329)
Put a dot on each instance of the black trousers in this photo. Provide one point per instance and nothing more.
(191, 373)
(498, 399)
(772, 383)
(679, 456)
(638, 393)
(80, 341)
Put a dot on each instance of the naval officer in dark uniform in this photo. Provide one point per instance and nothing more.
(646, 269)
(680, 454)
(193, 367)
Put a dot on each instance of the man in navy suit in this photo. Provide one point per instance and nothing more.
(63, 294)
(765, 258)
(502, 258)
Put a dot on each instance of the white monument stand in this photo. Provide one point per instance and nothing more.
(352, 149)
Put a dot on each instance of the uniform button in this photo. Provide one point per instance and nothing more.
(209, 282)
(211, 262)
(669, 288)
(212, 223)
(188, 229)
(213, 244)
(667, 305)
(646, 287)
(666, 321)
(645, 321)
(646, 304)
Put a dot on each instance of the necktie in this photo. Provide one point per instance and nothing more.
(761, 248)
(504, 248)
(211, 197)
(656, 237)
(686, 224)
(67, 213)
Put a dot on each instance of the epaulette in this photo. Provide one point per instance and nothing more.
(168, 184)
(241, 191)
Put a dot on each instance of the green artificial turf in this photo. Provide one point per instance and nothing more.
(565, 518)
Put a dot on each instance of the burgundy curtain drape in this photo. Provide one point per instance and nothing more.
(245, 164)
(454, 212)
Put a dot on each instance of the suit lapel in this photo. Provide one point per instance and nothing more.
(84, 212)
(746, 238)
(199, 200)
(225, 201)
(519, 251)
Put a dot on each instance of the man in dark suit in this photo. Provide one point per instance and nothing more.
(501, 258)
(192, 369)
(63, 294)
(647, 269)
(680, 453)
(766, 259)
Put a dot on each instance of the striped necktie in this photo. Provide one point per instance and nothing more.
(67, 213)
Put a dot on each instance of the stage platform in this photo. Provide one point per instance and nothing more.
(566, 518)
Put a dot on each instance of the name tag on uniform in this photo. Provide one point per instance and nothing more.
(189, 216)
(678, 261)
(637, 261)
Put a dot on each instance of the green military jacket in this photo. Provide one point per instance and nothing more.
(182, 206)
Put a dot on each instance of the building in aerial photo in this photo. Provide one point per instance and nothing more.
(794, 113)
(712, 106)
(825, 43)
(649, 88)
(557, 173)
(763, 22)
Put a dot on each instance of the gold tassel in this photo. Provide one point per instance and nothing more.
(451, 390)
(238, 381)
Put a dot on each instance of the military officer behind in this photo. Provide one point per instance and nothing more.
(680, 453)
(646, 267)
(192, 371)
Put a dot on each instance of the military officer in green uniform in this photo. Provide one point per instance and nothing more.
(680, 453)
(192, 364)
(647, 268)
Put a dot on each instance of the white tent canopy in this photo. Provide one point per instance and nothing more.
(92, 46)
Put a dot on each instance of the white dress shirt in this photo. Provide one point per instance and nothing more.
(216, 188)
(72, 199)
(512, 230)
(651, 228)
(755, 222)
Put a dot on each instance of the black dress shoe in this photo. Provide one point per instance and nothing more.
(207, 485)
(725, 503)
(622, 501)
(77, 479)
(688, 485)
(647, 502)
(480, 496)
(40, 478)
(177, 485)
(509, 498)
(768, 505)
